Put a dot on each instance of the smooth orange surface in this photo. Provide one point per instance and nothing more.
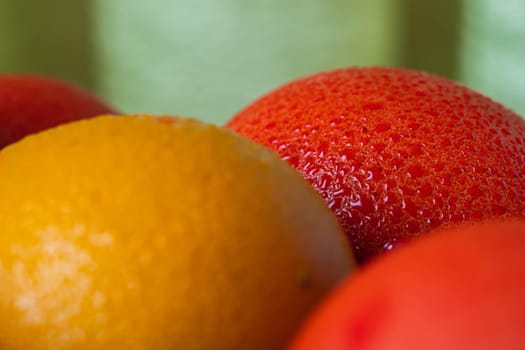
(456, 290)
(130, 233)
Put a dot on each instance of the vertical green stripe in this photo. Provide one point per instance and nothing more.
(493, 50)
(429, 39)
(208, 58)
(49, 37)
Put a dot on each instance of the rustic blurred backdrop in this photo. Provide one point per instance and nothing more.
(208, 58)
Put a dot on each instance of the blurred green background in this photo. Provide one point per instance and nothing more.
(209, 58)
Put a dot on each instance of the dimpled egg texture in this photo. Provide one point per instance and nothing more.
(394, 152)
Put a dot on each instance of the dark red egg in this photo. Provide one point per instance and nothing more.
(31, 103)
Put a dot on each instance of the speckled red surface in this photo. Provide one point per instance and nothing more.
(394, 152)
(30, 103)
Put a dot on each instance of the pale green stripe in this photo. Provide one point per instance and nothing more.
(493, 50)
(208, 58)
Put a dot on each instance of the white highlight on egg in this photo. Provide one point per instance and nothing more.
(50, 282)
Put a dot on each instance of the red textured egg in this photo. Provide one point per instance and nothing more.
(455, 290)
(395, 153)
(30, 103)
